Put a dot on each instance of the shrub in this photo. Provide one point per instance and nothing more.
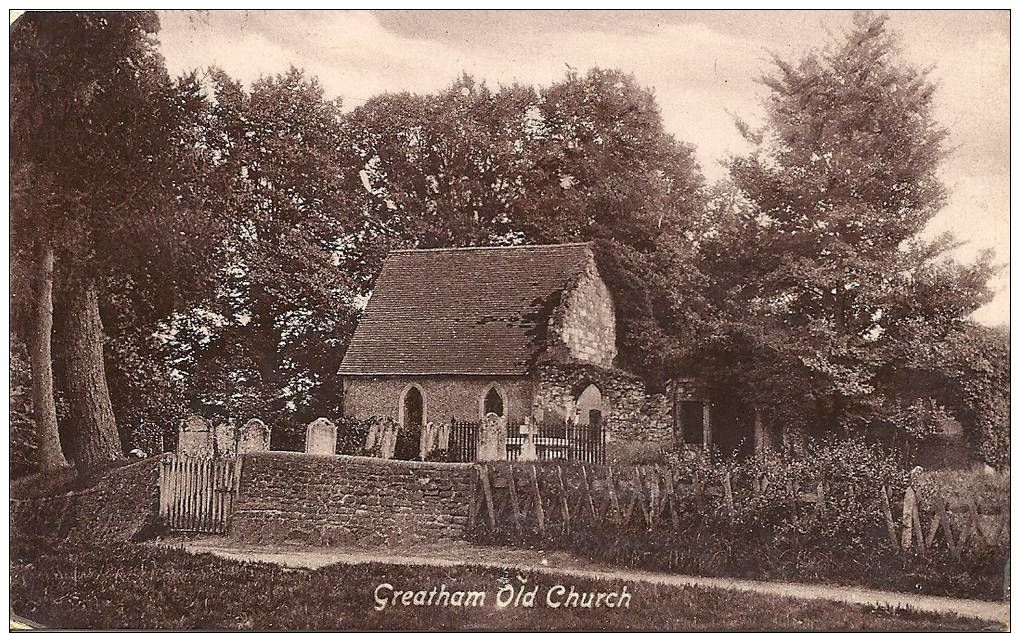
(351, 434)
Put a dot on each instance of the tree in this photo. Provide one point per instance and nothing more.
(96, 117)
(586, 158)
(267, 339)
(821, 273)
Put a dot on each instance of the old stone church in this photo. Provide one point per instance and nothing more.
(522, 331)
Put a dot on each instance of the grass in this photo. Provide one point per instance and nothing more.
(89, 585)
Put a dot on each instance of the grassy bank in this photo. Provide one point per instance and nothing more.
(74, 585)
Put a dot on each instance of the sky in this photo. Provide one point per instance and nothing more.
(701, 65)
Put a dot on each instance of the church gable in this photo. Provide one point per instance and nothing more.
(587, 319)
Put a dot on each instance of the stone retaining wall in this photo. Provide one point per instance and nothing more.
(330, 499)
(118, 506)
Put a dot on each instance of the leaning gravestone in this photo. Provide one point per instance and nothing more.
(253, 437)
(225, 436)
(491, 438)
(195, 438)
(320, 439)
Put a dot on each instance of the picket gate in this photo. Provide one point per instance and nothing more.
(196, 494)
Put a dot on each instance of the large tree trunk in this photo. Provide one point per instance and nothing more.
(48, 454)
(98, 444)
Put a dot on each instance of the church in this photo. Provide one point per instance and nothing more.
(520, 331)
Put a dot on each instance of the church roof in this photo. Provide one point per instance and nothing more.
(457, 311)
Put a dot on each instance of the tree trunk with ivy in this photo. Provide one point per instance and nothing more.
(96, 441)
(48, 454)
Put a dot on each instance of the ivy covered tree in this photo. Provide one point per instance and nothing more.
(825, 291)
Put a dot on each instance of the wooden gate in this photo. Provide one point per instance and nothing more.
(196, 494)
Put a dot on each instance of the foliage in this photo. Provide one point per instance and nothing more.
(351, 434)
(853, 471)
(825, 299)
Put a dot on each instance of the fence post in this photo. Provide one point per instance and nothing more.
(887, 513)
(514, 503)
(538, 500)
(564, 507)
(728, 491)
(483, 477)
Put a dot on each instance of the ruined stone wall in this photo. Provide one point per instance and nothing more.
(445, 396)
(586, 320)
(631, 415)
(330, 499)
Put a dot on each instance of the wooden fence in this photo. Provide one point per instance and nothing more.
(543, 498)
(196, 494)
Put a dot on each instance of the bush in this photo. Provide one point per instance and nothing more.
(853, 471)
(351, 434)
(759, 538)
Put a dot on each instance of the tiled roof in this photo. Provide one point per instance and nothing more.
(462, 310)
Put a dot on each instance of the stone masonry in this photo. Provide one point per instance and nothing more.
(330, 499)
(586, 320)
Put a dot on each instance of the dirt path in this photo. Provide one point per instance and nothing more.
(562, 563)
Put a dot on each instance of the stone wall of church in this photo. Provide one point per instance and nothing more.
(458, 397)
(635, 420)
(586, 320)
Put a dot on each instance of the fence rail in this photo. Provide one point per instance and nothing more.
(196, 494)
(540, 498)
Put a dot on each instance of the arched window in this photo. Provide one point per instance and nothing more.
(413, 408)
(589, 406)
(493, 399)
(493, 402)
(412, 414)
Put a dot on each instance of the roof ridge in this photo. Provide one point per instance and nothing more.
(489, 248)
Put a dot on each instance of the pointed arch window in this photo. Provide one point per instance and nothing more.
(493, 402)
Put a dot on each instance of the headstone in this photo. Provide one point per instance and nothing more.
(529, 451)
(373, 436)
(195, 438)
(428, 439)
(491, 438)
(320, 438)
(225, 436)
(254, 436)
(388, 443)
(443, 437)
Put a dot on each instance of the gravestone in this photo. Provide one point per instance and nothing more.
(491, 438)
(373, 437)
(225, 436)
(428, 439)
(254, 437)
(320, 438)
(443, 436)
(388, 440)
(195, 437)
(529, 451)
